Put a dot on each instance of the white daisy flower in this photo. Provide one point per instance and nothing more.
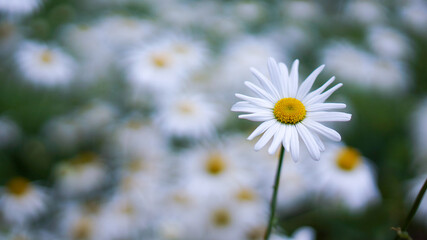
(289, 112)
(341, 59)
(154, 67)
(187, 115)
(388, 42)
(365, 12)
(19, 7)
(414, 13)
(346, 177)
(190, 53)
(301, 10)
(44, 65)
(22, 201)
(79, 221)
(128, 31)
(80, 175)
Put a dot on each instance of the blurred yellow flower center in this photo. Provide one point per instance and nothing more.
(46, 57)
(134, 124)
(136, 165)
(181, 48)
(160, 60)
(245, 195)
(83, 158)
(128, 209)
(348, 159)
(18, 186)
(221, 218)
(215, 164)
(289, 111)
(185, 107)
(82, 229)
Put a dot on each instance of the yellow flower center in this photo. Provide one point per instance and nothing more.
(46, 57)
(221, 217)
(245, 195)
(215, 164)
(160, 60)
(83, 158)
(289, 111)
(82, 229)
(348, 159)
(186, 108)
(133, 124)
(18, 186)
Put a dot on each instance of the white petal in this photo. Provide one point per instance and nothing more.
(324, 106)
(287, 139)
(284, 73)
(308, 83)
(318, 141)
(294, 144)
(257, 101)
(258, 116)
(278, 138)
(267, 136)
(293, 81)
(318, 91)
(274, 75)
(266, 83)
(260, 92)
(244, 106)
(309, 141)
(261, 128)
(322, 97)
(329, 116)
(322, 130)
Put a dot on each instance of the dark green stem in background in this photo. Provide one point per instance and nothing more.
(414, 208)
(274, 197)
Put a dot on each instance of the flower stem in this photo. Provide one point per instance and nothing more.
(274, 197)
(414, 208)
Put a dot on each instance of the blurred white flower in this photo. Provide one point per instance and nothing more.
(129, 136)
(342, 59)
(240, 55)
(414, 13)
(249, 11)
(80, 175)
(120, 218)
(212, 171)
(289, 112)
(388, 76)
(364, 12)
(123, 32)
(19, 7)
(345, 177)
(190, 53)
(188, 115)
(301, 11)
(154, 66)
(388, 42)
(44, 65)
(22, 201)
(88, 44)
(94, 118)
(80, 220)
(10, 133)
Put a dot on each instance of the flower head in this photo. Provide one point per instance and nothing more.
(289, 111)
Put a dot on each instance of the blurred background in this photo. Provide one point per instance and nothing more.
(115, 119)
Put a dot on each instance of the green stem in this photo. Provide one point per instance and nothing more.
(414, 208)
(274, 197)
